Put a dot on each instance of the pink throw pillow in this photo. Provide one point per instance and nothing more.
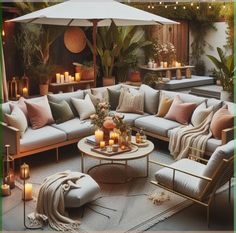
(39, 114)
(221, 120)
(180, 112)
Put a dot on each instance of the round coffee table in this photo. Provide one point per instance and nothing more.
(135, 153)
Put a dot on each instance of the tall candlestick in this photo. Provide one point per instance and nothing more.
(28, 189)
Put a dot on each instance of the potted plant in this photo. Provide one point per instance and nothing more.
(225, 72)
(44, 73)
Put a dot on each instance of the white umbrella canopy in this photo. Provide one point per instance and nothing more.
(96, 13)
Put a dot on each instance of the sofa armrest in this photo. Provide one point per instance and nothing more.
(11, 136)
(227, 135)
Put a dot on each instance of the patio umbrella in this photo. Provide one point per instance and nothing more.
(95, 13)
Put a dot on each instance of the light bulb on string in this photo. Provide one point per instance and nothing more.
(153, 7)
(184, 7)
(191, 4)
(149, 6)
(209, 6)
(197, 7)
(175, 7)
(166, 6)
(3, 33)
(177, 3)
(224, 6)
(160, 3)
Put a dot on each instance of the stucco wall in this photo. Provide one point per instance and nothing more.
(216, 38)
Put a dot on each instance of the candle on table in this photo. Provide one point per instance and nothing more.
(69, 78)
(24, 171)
(165, 64)
(58, 78)
(62, 78)
(111, 142)
(11, 179)
(72, 79)
(66, 77)
(122, 147)
(161, 64)
(6, 191)
(28, 192)
(25, 91)
(102, 144)
(99, 134)
(114, 136)
(77, 77)
(115, 147)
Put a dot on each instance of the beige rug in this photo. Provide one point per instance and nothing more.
(127, 205)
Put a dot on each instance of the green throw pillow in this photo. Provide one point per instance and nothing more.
(61, 111)
(113, 97)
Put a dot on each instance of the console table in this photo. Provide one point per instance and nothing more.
(170, 71)
(70, 86)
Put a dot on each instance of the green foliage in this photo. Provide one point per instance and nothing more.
(225, 69)
(151, 79)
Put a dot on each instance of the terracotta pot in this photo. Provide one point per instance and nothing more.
(87, 73)
(108, 81)
(135, 76)
(78, 69)
(43, 89)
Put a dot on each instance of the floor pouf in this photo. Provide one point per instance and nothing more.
(86, 193)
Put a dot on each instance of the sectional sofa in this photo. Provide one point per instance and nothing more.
(55, 136)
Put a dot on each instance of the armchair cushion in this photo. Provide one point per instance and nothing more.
(184, 183)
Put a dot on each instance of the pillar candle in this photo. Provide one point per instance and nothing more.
(99, 134)
(62, 78)
(77, 77)
(66, 77)
(25, 91)
(111, 142)
(161, 64)
(28, 192)
(72, 79)
(6, 191)
(58, 78)
(165, 64)
(102, 144)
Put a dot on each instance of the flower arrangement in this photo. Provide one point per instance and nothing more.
(164, 52)
(98, 118)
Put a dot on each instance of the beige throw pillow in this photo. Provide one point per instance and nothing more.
(131, 102)
(84, 107)
(17, 119)
(164, 106)
(200, 114)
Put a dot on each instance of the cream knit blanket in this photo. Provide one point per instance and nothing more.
(189, 136)
(50, 203)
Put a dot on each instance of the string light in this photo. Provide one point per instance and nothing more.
(184, 7)
(175, 7)
(177, 3)
(160, 3)
(209, 6)
(3, 33)
(152, 6)
(166, 6)
(191, 3)
(224, 5)
(197, 7)
(149, 6)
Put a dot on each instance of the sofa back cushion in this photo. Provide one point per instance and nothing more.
(151, 99)
(216, 104)
(222, 119)
(186, 98)
(113, 97)
(180, 111)
(57, 98)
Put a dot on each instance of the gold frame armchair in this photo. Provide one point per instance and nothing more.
(195, 180)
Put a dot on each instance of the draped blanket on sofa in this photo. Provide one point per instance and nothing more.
(188, 136)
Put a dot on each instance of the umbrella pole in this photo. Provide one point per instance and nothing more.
(95, 51)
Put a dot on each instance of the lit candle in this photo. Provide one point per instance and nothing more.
(69, 78)
(25, 91)
(176, 64)
(114, 136)
(161, 64)
(179, 64)
(102, 144)
(72, 79)
(77, 77)
(62, 78)
(66, 77)
(122, 147)
(6, 191)
(58, 78)
(24, 171)
(165, 64)
(99, 136)
(111, 142)
(28, 192)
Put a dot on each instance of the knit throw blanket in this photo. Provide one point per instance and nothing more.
(50, 203)
(185, 137)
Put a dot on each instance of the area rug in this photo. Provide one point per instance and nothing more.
(119, 207)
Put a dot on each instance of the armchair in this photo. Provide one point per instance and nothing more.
(195, 180)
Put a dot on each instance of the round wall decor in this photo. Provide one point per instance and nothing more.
(74, 39)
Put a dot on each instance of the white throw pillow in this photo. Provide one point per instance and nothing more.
(84, 107)
(17, 119)
(200, 114)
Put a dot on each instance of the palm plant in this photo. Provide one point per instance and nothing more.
(225, 69)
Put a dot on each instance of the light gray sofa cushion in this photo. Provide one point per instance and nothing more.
(231, 107)
(86, 193)
(57, 98)
(36, 138)
(129, 118)
(75, 128)
(212, 144)
(151, 99)
(156, 125)
(184, 183)
(186, 98)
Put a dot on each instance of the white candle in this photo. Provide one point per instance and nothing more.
(111, 142)
(28, 192)
(58, 78)
(77, 77)
(102, 144)
(165, 64)
(62, 78)
(72, 79)
(6, 191)
(161, 64)
(66, 77)
(25, 91)
(99, 134)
